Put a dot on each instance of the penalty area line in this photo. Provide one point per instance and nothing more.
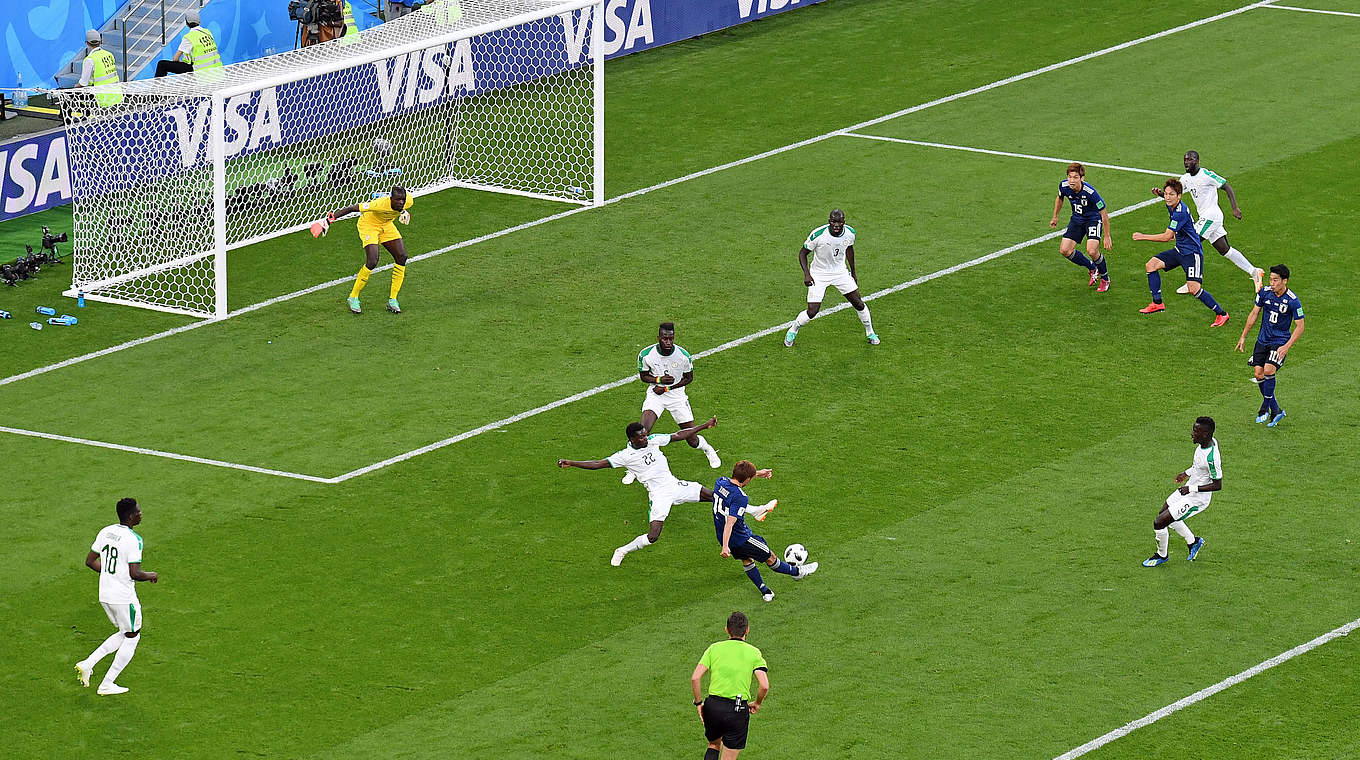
(1207, 692)
(1008, 154)
(709, 352)
(1312, 10)
(659, 186)
(164, 454)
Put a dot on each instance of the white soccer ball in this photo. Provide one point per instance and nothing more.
(796, 554)
(382, 147)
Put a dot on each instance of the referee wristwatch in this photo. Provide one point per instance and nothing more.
(698, 702)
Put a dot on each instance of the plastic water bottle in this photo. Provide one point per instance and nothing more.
(70, 320)
(64, 321)
(5, 315)
(35, 325)
(46, 310)
(80, 299)
(21, 95)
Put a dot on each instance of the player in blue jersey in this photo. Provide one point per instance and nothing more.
(1281, 307)
(730, 506)
(1090, 220)
(1187, 254)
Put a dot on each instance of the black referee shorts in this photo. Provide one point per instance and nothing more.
(726, 719)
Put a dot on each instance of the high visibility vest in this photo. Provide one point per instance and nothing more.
(447, 12)
(204, 53)
(351, 28)
(105, 71)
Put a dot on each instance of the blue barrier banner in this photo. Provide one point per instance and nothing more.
(634, 25)
(36, 174)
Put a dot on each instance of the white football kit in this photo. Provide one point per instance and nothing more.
(650, 467)
(1207, 467)
(657, 364)
(119, 546)
(1203, 187)
(827, 266)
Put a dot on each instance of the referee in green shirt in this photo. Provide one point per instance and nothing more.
(727, 711)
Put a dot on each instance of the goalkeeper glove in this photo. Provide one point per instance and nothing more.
(404, 217)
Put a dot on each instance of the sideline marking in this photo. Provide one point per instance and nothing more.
(164, 454)
(1312, 10)
(1205, 693)
(1008, 154)
(645, 190)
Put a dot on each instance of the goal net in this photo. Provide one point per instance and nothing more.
(169, 175)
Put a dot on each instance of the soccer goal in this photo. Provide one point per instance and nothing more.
(169, 175)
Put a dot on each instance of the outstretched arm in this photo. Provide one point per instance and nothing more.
(688, 433)
(1166, 237)
(346, 211)
(593, 464)
(1232, 198)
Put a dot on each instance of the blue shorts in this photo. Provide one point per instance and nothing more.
(1078, 229)
(753, 548)
(1192, 263)
(1264, 354)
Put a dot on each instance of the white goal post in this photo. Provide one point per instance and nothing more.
(169, 175)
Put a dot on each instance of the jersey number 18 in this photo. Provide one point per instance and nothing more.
(110, 559)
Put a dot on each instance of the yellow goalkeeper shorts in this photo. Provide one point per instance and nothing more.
(376, 234)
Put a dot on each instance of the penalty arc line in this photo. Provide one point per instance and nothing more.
(711, 351)
(1209, 691)
(164, 454)
(643, 191)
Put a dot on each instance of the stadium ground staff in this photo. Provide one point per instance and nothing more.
(197, 51)
(100, 68)
(727, 711)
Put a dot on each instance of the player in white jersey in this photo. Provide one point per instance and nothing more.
(1200, 481)
(1203, 186)
(117, 556)
(667, 368)
(642, 457)
(832, 247)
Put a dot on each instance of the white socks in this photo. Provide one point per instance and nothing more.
(109, 646)
(801, 319)
(1162, 538)
(1240, 261)
(121, 660)
(641, 542)
(1184, 530)
(866, 320)
(704, 445)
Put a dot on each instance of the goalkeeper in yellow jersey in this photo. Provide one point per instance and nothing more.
(376, 228)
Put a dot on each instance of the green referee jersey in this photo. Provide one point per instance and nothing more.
(731, 665)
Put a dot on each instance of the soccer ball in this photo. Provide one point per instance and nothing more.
(382, 147)
(796, 554)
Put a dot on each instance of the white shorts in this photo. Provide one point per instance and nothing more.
(128, 617)
(1183, 505)
(675, 403)
(666, 495)
(1211, 228)
(842, 281)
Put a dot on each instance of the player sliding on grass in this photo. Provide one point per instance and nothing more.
(1204, 476)
(1090, 220)
(376, 229)
(833, 248)
(642, 457)
(1187, 254)
(1203, 186)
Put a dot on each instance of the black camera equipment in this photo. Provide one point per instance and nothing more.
(49, 243)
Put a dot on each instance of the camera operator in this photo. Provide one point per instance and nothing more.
(318, 20)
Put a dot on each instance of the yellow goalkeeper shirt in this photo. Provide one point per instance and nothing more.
(379, 212)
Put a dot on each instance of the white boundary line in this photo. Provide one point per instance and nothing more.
(164, 454)
(653, 188)
(709, 352)
(1008, 154)
(1312, 10)
(1205, 693)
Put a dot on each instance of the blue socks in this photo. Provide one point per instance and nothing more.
(753, 572)
(785, 568)
(1268, 393)
(1155, 285)
(1080, 258)
(1103, 268)
(1208, 300)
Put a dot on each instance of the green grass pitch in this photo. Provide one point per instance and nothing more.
(979, 488)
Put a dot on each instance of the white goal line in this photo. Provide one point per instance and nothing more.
(1005, 153)
(1312, 10)
(1209, 691)
(646, 190)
